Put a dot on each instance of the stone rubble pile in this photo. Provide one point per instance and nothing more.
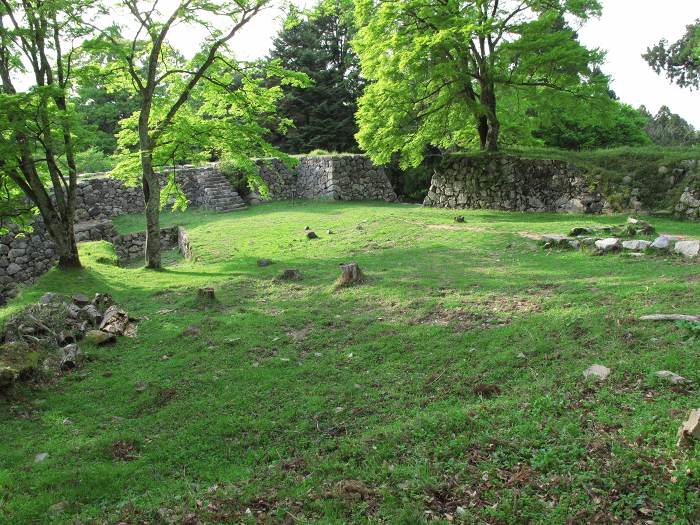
(44, 337)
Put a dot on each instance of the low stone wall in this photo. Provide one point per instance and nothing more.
(133, 245)
(511, 183)
(341, 177)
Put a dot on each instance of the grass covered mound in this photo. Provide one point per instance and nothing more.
(448, 387)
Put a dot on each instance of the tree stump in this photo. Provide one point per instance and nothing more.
(351, 274)
(206, 296)
(290, 275)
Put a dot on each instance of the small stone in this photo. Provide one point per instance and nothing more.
(522, 356)
(48, 298)
(311, 235)
(688, 249)
(140, 386)
(690, 429)
(191, 331)
(58, 508)
(41, 457)
(459, 218)
(81, 300)
(598, 372)
(264, 262)
(331, 232)
(98, 337)
(306, 228)
(671, 377)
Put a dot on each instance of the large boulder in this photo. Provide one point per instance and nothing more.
(636, 245)
(689, 249)
(610, 244)
(663, 243)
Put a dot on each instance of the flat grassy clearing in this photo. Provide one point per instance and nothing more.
(299, 403)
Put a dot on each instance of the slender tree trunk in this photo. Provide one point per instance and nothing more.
(151, 194)
(483, 128)
(488, 101)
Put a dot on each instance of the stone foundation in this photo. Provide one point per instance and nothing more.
(133, 245)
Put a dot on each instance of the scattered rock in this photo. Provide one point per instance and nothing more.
(114, 321)
(670, 317)
(41, 456)
(99, 338)
(636, 245)
(610, 244)
(311, 235)
(460, 218)
(70, 357)
(264, 262)
(351, 274)
(671, 377)
(81, 300)
(331, 232)
(58, 508)
(48, 298)
(290, 275)
(559, 241)
(598, 372)
(306, 228)
(140, 386)
(690, 430)
(486, 390)
(191, 331)
(689, 249)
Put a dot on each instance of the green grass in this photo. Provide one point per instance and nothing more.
(293, 389)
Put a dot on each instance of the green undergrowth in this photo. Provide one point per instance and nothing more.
(446, 388)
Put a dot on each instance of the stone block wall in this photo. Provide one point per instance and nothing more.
(511, 183)
(339, 177)
(133, 245)
(24, 257)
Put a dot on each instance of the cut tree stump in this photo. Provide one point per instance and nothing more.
(670, 317)
(206, 296)
(351, 274)
(690, 429)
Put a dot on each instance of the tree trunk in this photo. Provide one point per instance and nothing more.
(151, 194)
(483, 128)
(63, 236)
(488, 101)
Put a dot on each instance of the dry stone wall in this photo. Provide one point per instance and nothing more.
(339, 177)
(511, 183)
(506, 182)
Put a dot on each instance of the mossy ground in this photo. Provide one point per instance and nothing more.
(372, 403)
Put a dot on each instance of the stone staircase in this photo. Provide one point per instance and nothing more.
(216, 192)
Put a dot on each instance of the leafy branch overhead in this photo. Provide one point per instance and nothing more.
(680, 60)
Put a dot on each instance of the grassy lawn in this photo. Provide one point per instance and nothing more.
(297, 403)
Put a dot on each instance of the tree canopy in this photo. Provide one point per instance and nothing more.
(451, 74)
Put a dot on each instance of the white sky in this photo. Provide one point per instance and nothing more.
(625, 30)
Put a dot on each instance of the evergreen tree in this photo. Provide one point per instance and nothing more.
(318, 43)
(669, 129)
